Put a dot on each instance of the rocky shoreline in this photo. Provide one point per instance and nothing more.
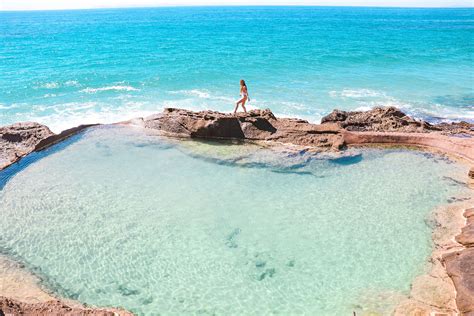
(448, 288)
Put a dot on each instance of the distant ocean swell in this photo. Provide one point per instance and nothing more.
(299, 62)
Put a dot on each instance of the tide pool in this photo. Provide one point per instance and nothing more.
(116, 217)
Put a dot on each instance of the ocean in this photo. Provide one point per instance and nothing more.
(64, 68)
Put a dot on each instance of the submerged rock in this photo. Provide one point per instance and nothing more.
(231, 240)
(13, 307)
(268, 273)
(20, 139)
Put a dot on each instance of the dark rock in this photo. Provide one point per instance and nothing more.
(457, 128)
(335, 116)
(384, 119)
(460, 267)
(19, 139)
(391, 119)
(126, 291)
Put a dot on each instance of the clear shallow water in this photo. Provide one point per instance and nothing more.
(120, 218)
(70, 67)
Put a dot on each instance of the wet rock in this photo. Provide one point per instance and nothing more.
(20, 139)
(259, 125)
(13, 307)
(126, 291)
(460, 267)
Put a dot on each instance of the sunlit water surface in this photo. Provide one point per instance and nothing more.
(115, 217)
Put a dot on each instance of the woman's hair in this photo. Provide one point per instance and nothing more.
(242, 83)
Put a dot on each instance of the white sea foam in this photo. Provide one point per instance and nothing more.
(50, 85)
(193, 93)
(59, 122)
(72, 83)
(356, 93)
(433, 113)
(56, 84)
(202, 94)
(364, 108)
(439, 113)
(295, 105)
(110, 88)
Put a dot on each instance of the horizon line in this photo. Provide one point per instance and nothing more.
(235, 5)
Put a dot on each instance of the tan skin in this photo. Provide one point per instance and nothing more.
(245, 95)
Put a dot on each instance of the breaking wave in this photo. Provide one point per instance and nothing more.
(110, 88)
(356, 93)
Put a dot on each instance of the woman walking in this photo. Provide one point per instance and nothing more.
(244, 96)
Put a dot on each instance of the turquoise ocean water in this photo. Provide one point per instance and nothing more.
(63, 68)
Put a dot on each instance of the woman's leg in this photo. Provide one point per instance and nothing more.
(244, 100)
(237, 105)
